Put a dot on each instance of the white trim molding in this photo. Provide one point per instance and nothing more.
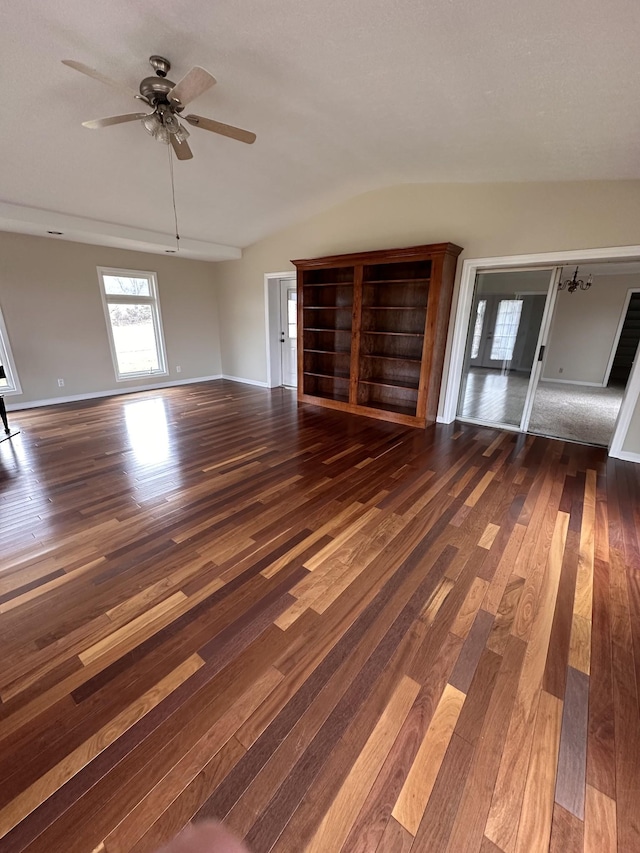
(472, 266)
(258, 382)
(116, 392)
(272, 325)
(625, 414)
(572, 382)
(627, 456)
(6, 359)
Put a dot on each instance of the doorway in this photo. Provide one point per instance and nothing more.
(281, 321)
(624, 442)
(509, 324)
(591, 349)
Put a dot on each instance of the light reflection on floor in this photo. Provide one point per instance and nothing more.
(146, 422)
(490, 395)
(21, 485)
(13, 447)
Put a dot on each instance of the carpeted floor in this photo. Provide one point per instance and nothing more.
(576, 412)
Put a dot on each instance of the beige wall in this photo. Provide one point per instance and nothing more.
(584, 328)
(486, 219)
(52, 308)
(51, 302)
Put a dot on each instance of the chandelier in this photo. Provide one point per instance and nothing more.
(572, 284)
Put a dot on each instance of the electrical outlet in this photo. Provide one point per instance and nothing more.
(60, 383)
(178, 368)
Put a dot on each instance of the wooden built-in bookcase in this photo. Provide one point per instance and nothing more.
(372, 329)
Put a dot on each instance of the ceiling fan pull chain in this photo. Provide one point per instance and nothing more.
(173, 197)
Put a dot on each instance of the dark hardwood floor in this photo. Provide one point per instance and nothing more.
(333, 633)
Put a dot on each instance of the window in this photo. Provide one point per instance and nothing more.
(506, 329)
(292, 313)
(132, 309)
(9, 383)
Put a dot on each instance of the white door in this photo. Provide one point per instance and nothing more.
(289, 333)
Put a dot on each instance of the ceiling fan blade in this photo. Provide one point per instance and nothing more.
(182, 150)
(91, 72)
(193, 84)
(96, 123)
(223, 129)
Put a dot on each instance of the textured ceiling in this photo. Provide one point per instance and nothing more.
(344, 97)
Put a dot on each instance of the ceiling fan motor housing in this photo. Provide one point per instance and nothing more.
(156, 89)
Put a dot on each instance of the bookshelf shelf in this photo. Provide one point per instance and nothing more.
(372, 330)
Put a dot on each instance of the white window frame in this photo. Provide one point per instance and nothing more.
(153, 300)
(6, 359)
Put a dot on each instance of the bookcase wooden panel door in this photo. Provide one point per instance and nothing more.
(372, 330)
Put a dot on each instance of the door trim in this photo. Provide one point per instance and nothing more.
(628, 407)
(543, 340)
(287, 286)
(272, 324)
(458, 337)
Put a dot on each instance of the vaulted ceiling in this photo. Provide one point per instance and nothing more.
(344, 95)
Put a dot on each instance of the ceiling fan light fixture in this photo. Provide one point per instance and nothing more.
(181, 134)
(162, 135)
(150, 123)
(170, 121)
(155, 128)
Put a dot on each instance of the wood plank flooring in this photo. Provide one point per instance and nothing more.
(332, 633)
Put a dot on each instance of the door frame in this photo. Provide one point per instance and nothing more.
(543, 341)
(272, 324)
(286, 287)
(616, 339)
(471, 267)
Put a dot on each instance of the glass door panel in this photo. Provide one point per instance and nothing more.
(502, 345)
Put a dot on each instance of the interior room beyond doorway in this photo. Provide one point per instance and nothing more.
(564, 376)
(579, 394)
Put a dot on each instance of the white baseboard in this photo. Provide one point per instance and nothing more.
(442, 420)
(245, 381)
(74, 398)
(573, 382)
(626, 456)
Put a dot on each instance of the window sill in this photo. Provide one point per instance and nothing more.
(145, 375)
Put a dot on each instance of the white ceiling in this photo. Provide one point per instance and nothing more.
(344, 95)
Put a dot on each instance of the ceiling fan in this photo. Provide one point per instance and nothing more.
(167, 100)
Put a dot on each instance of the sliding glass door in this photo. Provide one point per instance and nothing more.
(508, 326)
